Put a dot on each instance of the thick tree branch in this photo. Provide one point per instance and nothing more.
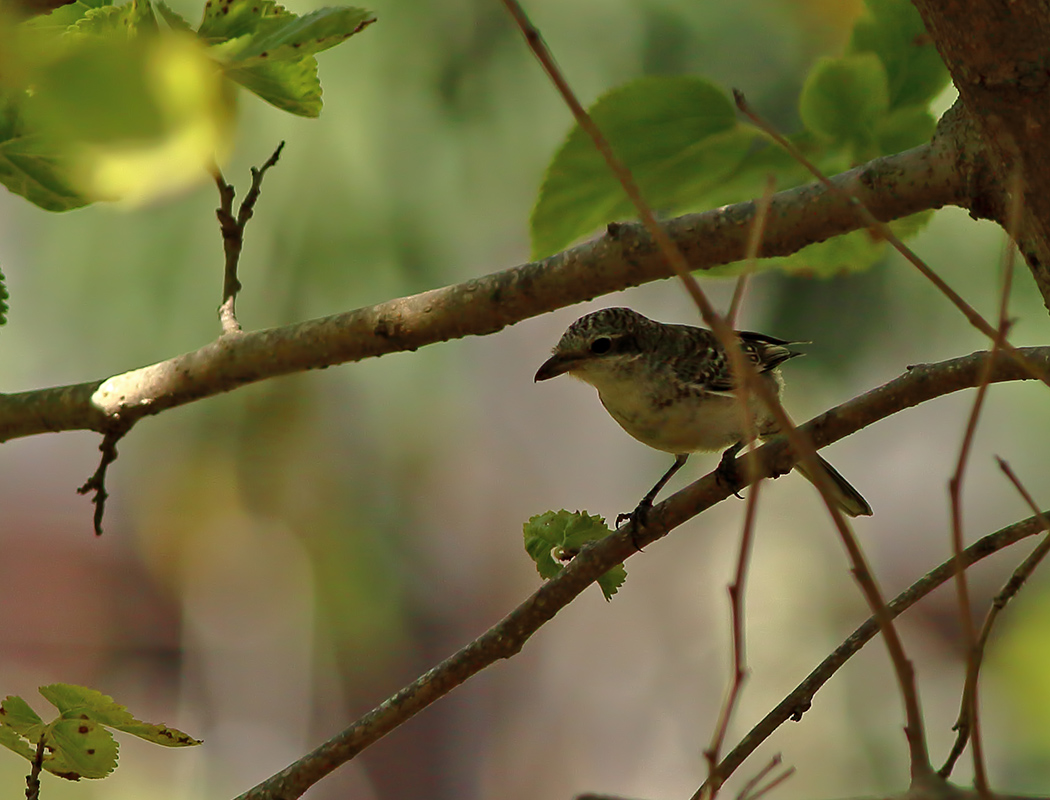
(894, 186)
(997, 55)
(507, 637)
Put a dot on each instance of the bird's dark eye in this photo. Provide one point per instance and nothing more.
(603, 344)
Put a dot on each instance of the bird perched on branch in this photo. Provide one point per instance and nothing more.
(671, 387)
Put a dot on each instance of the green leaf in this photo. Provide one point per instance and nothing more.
(228, 19)
(82, 748)
(555, 537)
(679, 137)
(850, 252)
(904, 128)
(126, 21)
(291, 86)
(270, 51)
(288, 37)
(174, 20)
(844, 98)
(16, 713)
(64, 17)
(894, 31)
(79, 702)
(115, 117)
(38, 170)
(10, 739)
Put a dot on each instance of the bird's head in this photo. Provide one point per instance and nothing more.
(596, 342)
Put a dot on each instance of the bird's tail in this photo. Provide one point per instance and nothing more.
(848, 499)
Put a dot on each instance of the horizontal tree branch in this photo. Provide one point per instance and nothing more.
(507, 637)
(891, 187)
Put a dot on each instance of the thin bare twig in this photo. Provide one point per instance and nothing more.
(799, 700)
(739, 672)
(33, 778)
(964, 723)
(97, 482)
(753, 782)
(232, 229)
(773, 784)
(914, 727)
(737, 587)
(754, 243)
(969, 716)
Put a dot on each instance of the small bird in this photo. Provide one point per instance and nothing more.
(671, 387)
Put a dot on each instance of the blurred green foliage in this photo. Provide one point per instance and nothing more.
(681, 140)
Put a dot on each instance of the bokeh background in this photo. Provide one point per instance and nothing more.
(279, 560)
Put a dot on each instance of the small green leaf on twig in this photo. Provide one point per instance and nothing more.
(552, 539)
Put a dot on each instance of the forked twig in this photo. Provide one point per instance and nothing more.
(232, 229)
(965, 725)
(97, 482)
(799, 700)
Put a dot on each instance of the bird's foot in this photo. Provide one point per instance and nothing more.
(639, 518)
(726, 472)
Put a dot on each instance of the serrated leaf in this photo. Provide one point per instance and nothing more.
(611, 581)
(843, 99)
(894, 31)
(17, 713)
(555, 537)
(172, 17)
(289, 37)
(679, 137)
(81, 748)
(126, 21)
(78, 702)
(63, 17)
(10, 739)
(291, 86)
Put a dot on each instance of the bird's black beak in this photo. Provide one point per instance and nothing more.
(556, 365)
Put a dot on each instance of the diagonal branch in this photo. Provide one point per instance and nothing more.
(507, 637)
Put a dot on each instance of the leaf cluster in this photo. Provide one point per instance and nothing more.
(99, 101)
(680, 137)
(77, 743)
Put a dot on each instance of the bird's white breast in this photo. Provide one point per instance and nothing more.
(660, 414)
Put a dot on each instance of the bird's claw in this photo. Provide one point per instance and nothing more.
(639, 518)
(727, 473)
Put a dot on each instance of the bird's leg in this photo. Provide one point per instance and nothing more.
(641, 512)
(726, 472)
